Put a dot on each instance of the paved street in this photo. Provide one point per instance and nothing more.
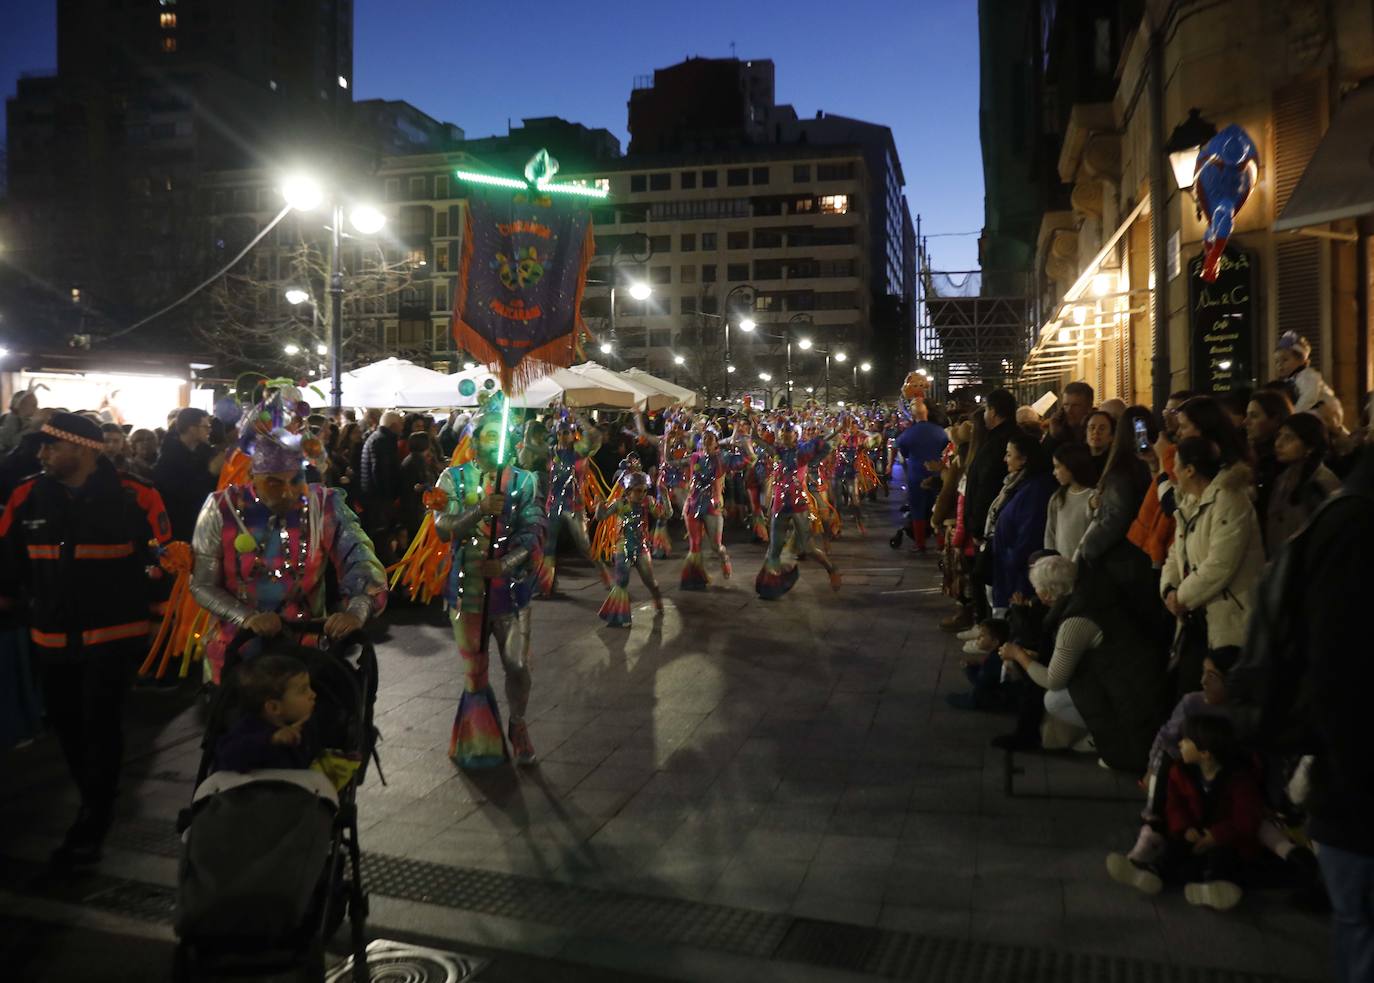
(738, 789)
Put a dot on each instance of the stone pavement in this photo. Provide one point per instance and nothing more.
(738, 788)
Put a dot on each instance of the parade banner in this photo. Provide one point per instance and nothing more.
(518, 301)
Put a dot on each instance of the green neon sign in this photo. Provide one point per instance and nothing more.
(539, 174)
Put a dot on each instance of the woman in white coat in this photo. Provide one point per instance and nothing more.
(1216, 558)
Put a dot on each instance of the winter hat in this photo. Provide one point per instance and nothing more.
(1293, 341)
(74, 429)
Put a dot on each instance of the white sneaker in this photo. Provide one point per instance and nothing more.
(1085, 745)
(971, 648)
(1121, 870)
(1220, 895)
(969, 634)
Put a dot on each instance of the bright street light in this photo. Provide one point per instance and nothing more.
(679, 360)
(841, 403)
(367, 219)
(302, 192)
(765, 377)
(4, 352)
(840, 356)
(641, 291)
(295, 295)
(866, 367)
(729, 368)
(292, 349)
(804, 344)
(810, 390)
(321, 349)
(605, 348)
(748, 324)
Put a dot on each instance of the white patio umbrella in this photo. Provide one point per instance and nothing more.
(576, 391)
(683, 396)
(646, 397)
(390, 383)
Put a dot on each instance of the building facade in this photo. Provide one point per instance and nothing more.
(1122, 303)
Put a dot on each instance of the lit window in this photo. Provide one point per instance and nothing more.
(417, 257)
(834, 204)
(76, 295)
(169, 45)
(343, 82)
(167, 20)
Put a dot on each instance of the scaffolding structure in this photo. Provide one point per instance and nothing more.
(970, 336)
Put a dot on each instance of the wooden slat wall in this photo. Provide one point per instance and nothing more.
(1298, 124)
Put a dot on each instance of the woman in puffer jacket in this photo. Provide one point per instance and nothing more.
(1217, 555)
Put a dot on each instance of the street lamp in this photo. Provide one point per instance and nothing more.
(296, 296)
(804, 344)
(803, 318)
(305, 194)
(679, 360)
(321, 349)
(607, 348)
(1185, 143)
(291, 349)
(746, 324)
(641, 291)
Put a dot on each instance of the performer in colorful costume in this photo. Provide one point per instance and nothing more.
(489, 589)
(674, 457)
(922, 445)
(565, 506)
(706, 472)
(262, 549)
(790, 513)
(627, 517)
(854, 475)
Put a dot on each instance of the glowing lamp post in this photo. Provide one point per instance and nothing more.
(304, 194)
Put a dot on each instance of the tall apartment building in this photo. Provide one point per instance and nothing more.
(726, 107)
(778, 230)
(148, 95)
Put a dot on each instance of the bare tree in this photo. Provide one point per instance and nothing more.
(249, 316)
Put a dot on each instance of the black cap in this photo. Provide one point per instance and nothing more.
(73, 428)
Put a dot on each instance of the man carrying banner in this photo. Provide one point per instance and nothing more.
(494, 530)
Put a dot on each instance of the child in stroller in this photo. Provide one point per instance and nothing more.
(270, 861)
(273, 731)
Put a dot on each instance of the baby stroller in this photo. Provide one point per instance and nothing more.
(270, 862)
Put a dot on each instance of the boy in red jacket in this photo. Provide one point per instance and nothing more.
(1213, 812)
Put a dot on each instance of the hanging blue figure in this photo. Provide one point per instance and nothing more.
(1226, 169)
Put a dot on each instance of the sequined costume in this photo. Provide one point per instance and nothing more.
(564, 506)
(673, 462)
(476, 741)
(632, 549)
(706, 475)
(791, 513)
(250, 560)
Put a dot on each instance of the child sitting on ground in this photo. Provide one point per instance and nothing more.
(984, 667)
(1213, 810)
(277, 705)
(1165, 753)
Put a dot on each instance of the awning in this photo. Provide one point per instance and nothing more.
(1339, 180)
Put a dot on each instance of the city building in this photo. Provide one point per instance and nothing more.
(111, 149)
(777, 231)
(1118, 256)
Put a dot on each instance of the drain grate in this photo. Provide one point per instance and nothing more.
(399, 962)
(148, 902)
(671, 920)
(831, 944)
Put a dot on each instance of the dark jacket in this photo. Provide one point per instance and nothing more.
(416, 472)
(184, 481)
(80, 558)
(247, 746)
(380, 468)
(1120, 686)
(984, 477)
(1020, 531)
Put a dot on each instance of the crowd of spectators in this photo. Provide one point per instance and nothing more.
(1140, 588)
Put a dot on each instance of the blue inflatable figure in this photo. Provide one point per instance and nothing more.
(1226, 169)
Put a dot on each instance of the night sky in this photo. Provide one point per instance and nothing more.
(911, 64)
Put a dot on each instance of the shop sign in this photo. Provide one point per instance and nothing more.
(1221, 323)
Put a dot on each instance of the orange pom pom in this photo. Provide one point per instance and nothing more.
(177, 557)
(436, 499)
